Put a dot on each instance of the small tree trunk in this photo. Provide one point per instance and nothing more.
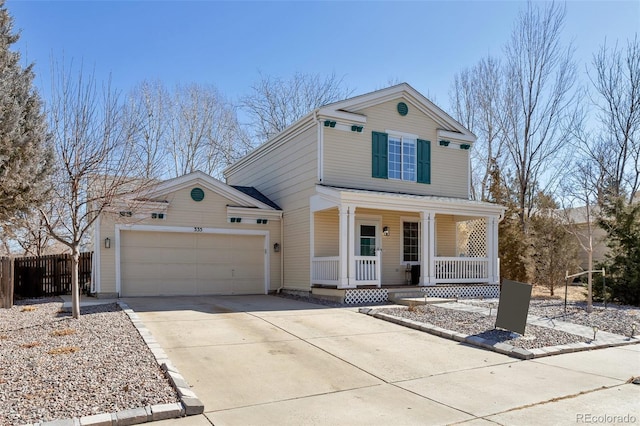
(590, 280)
(75, 288)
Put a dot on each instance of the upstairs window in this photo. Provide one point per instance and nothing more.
(400, 157)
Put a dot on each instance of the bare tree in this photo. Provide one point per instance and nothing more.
(540, 76)
(476, 97)
(204, 133)
(276, 103)
(149, 109)
(616, 81)
(192, 127)
(95, 165)
(580, 210)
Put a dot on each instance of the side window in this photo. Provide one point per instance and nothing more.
(410, 242)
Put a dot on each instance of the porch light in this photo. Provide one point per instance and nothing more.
(107, 242)
(276, 247)
(385, 231)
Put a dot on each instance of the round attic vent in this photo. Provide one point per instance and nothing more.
(197, 194)
(403, 109)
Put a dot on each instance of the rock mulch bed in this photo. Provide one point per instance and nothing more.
(614, 319)
(56, 367)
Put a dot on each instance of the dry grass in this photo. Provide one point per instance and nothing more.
(28, 309)
(575, 293)
(30, 345)
(63, 332)
(64, 350)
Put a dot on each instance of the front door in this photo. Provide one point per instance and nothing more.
(367, 240)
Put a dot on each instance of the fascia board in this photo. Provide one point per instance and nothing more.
(212, 184)
(390, 202)
(412, 95)
(447, 134)
(342, 115)
(254, 213)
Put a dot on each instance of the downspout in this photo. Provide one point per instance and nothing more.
(281, 254)
(320, 147)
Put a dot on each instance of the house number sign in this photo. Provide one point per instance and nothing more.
(197, 229)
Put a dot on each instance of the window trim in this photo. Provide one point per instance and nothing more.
(411, 219)
(402, 137)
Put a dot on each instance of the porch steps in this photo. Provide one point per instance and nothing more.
(408, 301)
(413, 297)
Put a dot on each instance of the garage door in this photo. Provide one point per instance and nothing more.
(163, 263)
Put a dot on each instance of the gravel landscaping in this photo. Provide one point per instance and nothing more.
(614, 319)
(56, 367)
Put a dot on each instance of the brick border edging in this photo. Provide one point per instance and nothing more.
(189, 403)
(499, 347)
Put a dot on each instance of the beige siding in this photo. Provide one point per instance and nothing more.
(327, 233)
(287, 174)
(347, 155)
(296, 249)
(211, 212)
(445, 236)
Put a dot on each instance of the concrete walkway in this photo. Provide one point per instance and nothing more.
(264, 360)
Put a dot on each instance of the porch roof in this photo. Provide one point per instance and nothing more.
(333, 196)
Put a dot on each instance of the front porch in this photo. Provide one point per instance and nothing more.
(365, 238)
(358, 296)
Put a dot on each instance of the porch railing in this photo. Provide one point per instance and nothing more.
(325, 270)
(461, 269)
(368, 270)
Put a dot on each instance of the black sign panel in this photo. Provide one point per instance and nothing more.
(513, 306)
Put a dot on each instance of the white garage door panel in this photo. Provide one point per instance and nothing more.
(154, 263)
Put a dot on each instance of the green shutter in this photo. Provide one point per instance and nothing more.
(424, 161)
(379, 157)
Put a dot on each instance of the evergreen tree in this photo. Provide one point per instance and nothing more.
(621, 220)
(553, 248)
(25, 151)
(512, 242)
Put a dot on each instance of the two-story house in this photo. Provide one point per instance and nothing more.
(357, 197)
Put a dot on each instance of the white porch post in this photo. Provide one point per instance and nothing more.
(343, 212)
(352, 247)
(492, 249)
(427, 270)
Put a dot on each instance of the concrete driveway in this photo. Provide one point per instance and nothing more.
(265, 360)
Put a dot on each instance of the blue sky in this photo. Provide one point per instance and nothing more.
(227, 44)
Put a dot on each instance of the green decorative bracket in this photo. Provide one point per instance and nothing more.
(465, 146)
(444, 143)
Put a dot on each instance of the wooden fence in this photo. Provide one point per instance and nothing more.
(50, 275)
(6, 282)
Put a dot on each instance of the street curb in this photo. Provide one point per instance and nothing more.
(498, 347)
